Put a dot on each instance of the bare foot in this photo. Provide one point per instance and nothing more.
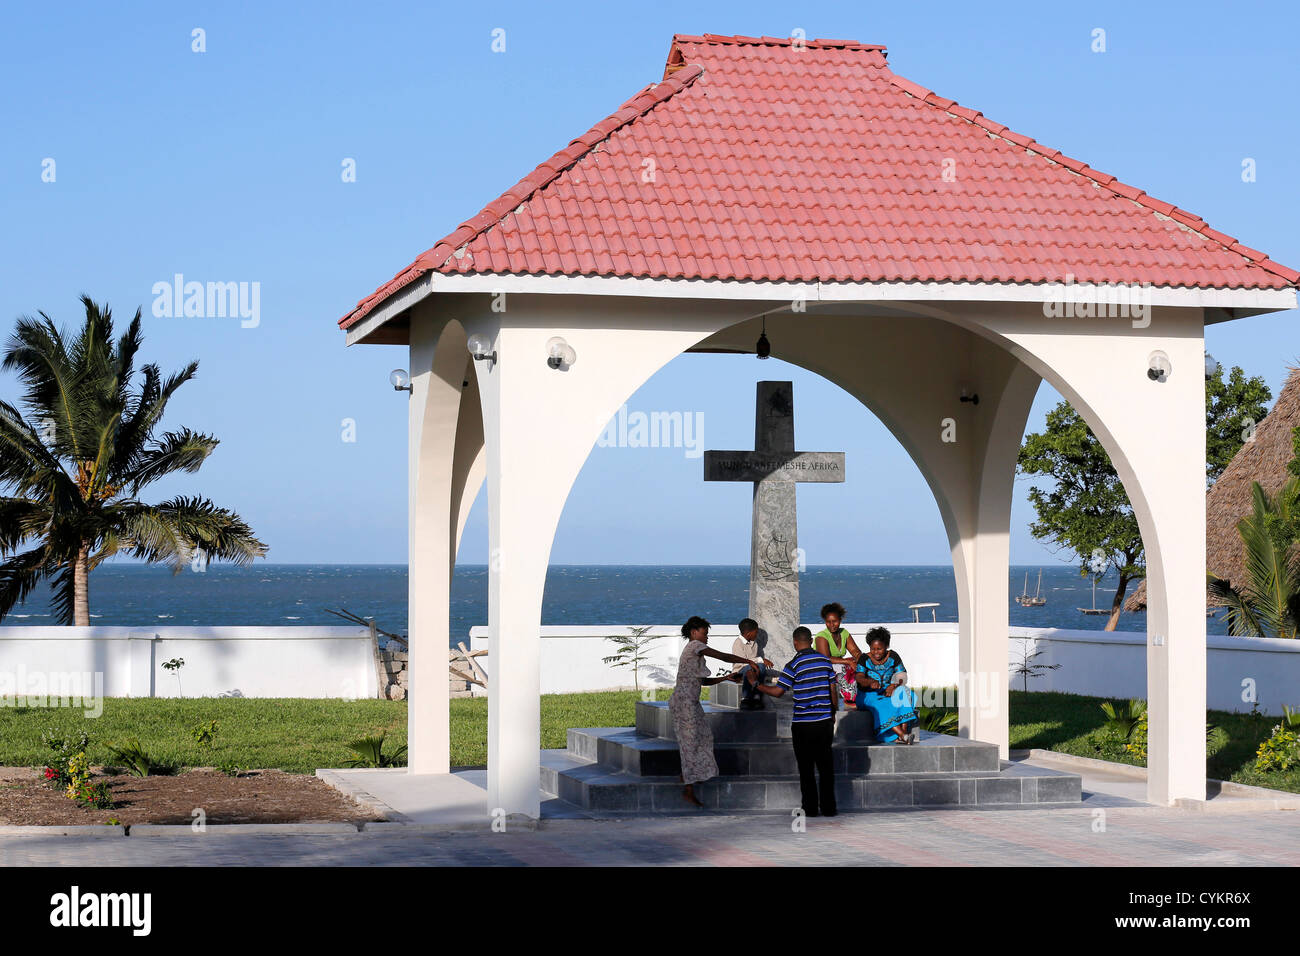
(689, 795)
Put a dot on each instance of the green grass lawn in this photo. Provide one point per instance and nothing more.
(300, 735)
(1064, 722)
(297, 735)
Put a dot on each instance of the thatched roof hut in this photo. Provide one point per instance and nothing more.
(1229, 499)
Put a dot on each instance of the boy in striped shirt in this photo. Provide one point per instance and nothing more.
(811, 679)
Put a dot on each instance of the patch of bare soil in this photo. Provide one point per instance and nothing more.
(255, 796)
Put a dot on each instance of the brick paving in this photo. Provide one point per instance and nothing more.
(1131, 837)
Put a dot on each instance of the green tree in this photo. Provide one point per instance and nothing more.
(1087, 511)
(1232, 409)
(633, 651)
(74, 464)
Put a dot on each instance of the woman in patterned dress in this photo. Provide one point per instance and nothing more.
(694, 737)
(882, 690)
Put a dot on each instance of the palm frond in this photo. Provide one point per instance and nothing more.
(1241, 617)
(182, 450)
(20, 521)
(20, 574)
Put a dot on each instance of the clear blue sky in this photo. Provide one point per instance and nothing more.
(225, 166)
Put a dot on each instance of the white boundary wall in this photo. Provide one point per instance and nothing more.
(219, 661)
(309, 661)
(1095, 663)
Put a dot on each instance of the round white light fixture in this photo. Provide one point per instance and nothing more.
(480, 347)
(1159, 368)
(400, 379)
(559, 353)
(1212, 366)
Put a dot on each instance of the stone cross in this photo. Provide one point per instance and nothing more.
(774, 467)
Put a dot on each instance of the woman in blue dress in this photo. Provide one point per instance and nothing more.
(882, 690)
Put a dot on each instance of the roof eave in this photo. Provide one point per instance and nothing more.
(1219, 305)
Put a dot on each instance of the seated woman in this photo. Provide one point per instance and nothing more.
(837, 643)
(882, 690)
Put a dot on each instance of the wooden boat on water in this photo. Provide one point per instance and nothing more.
(1036, 600)
(1094, 609)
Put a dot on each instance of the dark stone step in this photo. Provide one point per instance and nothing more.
(623, 749)
(728, 725)
(594, 787)
(654, 719)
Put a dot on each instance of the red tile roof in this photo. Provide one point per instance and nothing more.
(757, 159)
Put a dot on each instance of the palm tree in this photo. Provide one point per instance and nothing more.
(77, 462)
(1268, 603)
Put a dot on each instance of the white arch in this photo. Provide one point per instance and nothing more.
(539, 425)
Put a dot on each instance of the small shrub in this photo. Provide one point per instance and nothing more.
(1123, 719)
(1136, 744)
(937, 720)
(205, 734)
(229, 768)
(369, 752)
(1281, 751)
(138, 762)
(69, 770)
(1216, 738)
(65, 748)
(174, 665)
(93, 795)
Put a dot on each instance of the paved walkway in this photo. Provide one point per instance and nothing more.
(1096, 837)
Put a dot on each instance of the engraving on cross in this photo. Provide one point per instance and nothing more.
(774, 468)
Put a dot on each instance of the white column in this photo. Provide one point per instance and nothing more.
(1006, 394)
(437, 443)
(539, 426)
(1154, 433)
(1175, 553)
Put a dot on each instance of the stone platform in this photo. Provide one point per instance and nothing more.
(635, 770)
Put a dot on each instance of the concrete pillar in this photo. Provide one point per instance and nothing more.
(1174, 535)
(444, 436)
(1154, 433)
(1006, 389)
(539, 425)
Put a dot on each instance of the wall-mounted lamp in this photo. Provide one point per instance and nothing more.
(480, 347)
(972, 397)
(559, 353)
(1212, 366)
(764, 348)
(1159, 368)
(401, 380)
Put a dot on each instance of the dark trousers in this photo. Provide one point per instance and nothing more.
(812, 751)
(750, 691)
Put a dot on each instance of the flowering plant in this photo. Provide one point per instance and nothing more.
(69, 770)
(64, 749)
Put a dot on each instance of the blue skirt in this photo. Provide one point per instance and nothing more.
(888, 712)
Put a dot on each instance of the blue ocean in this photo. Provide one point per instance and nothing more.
(296, 594)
